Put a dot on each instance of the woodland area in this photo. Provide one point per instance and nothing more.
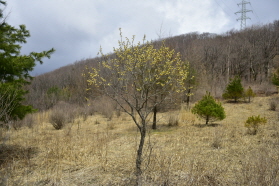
(252, 54)
(76, 135)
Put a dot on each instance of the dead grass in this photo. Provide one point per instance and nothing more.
(87, 153)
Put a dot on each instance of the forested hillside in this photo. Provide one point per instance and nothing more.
(121, 118)
(252, 54)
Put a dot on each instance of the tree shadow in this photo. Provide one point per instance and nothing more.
(233, 102)
(9, 153)
(164, 128)
(206, 125)
(239, 101)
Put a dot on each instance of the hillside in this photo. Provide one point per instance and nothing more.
(79, 136)
(101, 151)
(252, 54)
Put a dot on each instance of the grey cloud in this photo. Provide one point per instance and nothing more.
(76, 29)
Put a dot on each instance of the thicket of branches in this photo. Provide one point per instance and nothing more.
(251, 54)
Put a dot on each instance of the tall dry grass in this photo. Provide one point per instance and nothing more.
(87, 153)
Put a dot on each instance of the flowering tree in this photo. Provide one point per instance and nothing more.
(135, 77)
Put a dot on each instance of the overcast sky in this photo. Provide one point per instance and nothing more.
(77, 28)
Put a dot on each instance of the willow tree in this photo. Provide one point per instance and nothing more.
(135, 76)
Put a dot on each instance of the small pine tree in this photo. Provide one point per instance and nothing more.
(234, 89)
(250, 93)
(207, 108)
(253, 122)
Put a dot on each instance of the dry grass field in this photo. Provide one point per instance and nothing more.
(100, 151)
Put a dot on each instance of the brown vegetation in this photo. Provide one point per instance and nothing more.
(97, 143)
(86, 153)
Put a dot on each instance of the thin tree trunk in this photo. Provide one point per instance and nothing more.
(154, 125)
(139, 154)
(188, 98)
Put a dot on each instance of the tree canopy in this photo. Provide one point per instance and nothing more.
(136, 76)
(15, 69)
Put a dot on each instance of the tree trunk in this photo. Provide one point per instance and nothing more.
(139, 154)
(154, 125)
(188, 98)
(206, 120)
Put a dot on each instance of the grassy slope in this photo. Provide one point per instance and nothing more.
(86, 153)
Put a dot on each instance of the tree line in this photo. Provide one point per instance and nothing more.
(251, 54)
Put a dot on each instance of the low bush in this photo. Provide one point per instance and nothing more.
(62, 114)
(273, 103)
(253, 123)
(58, 119)
(173, 120)
(27, 121)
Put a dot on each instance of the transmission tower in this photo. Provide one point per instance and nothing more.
(243, 12)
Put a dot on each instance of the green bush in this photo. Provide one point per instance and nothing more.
(207, 108)
(253, 122)
(234, 89)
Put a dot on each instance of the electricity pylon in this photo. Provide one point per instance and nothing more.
(243, 12)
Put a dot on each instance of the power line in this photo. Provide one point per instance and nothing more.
(254, 12)
(223, 9)
(227, 6)
(235, 1)
(243, 12)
